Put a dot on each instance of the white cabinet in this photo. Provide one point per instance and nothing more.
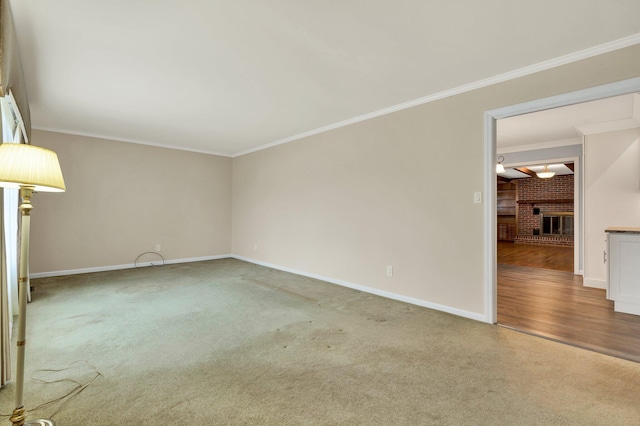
(624, 269)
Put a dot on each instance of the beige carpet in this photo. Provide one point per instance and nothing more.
(230, 343)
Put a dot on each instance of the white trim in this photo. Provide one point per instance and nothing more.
(583, 196)
(126, 266)
(128, 140)
(578, 216)
(521, 72)
(590, 282)
(591, 94)
(370, 290)
(540, 145)
(623, 87)
(490, 220)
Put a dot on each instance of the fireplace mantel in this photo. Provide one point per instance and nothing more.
(552, 201)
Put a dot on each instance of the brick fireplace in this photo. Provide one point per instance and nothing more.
(545, 198)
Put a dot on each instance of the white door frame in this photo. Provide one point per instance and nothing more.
(490, 212)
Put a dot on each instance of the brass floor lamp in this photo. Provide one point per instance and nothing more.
(30, 169)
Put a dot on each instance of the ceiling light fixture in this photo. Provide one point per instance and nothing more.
(499, 166)
(546, 173)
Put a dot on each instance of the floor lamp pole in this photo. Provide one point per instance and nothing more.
(19, 413)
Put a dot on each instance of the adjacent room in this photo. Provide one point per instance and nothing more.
(290, 213)
(550, 210)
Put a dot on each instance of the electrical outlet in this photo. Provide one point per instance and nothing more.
(157, 247)
(255, 246)
(389, 270)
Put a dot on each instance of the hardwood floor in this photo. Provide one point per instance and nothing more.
(536, 256)
(554, 304)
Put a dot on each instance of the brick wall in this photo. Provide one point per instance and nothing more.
(558, 187)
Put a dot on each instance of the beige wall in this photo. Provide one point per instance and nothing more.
(122, 199)
(612, 194)
(395, 190)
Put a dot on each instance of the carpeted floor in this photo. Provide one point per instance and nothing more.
(230, 343)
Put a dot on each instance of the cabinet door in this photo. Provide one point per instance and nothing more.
(624, 267)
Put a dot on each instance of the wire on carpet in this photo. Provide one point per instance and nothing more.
(135, 262)
(67, 397)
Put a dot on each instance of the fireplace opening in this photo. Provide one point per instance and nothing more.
(556, 223)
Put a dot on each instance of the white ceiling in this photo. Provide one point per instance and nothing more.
(229, 76)
(558, 169)
(569, 122)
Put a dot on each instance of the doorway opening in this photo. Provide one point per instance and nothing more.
(549, 302)
(536, 216)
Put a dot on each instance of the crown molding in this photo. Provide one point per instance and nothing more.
(521, 72)
(128, 140)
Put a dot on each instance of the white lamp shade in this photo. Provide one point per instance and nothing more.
(546, 173)
(499, 168)
(22, 165)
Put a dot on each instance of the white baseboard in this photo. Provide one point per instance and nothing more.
(371, 290)
(590, 282)
(126, 266)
